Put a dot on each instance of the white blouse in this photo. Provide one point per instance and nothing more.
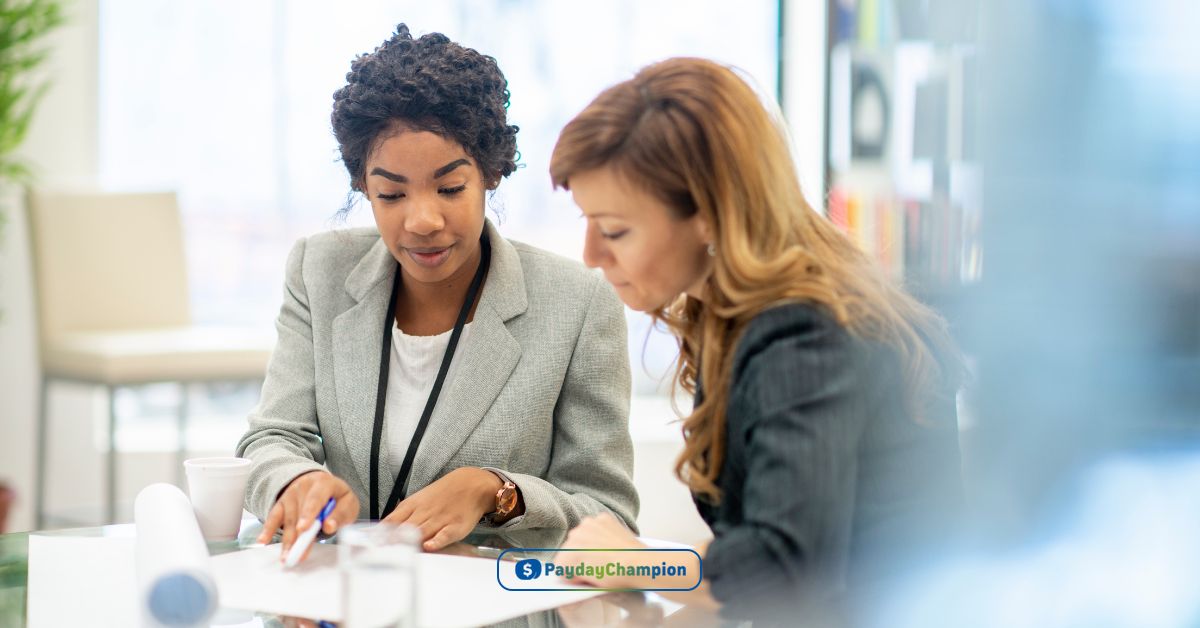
(414, 365)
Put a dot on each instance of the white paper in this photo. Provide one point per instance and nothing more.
(254, 579)
(92, 581)
(81, 581)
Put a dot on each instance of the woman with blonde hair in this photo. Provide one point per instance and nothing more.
(822, 448)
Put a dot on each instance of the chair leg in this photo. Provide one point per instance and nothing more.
(39, 490)
(181, 426)
(111, 461)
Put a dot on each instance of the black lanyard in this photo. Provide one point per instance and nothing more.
(401, 485)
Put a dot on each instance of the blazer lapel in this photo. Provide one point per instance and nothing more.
(357, 344)
(487, 360)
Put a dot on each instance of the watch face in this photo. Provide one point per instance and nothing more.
(506, 501)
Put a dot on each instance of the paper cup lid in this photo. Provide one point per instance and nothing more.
(218, 466)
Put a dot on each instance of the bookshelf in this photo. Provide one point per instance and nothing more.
(901, 155)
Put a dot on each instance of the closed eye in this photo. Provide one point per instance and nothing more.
(613, 235)
(390, 197)
(452, 191)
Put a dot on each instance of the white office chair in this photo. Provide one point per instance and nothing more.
(113, 310)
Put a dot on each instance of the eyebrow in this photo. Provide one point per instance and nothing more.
(444, 170)
(437, 174)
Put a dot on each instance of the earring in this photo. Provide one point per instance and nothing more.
(712, 249)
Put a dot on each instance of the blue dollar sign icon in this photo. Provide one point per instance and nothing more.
(529, 569)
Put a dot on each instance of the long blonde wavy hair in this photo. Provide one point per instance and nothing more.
(694, 134)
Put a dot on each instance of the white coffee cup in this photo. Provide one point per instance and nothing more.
(217, 487)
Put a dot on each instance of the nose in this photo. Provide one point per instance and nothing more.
(595, 253)
(423, 218)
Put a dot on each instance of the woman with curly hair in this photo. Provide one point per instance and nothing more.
(822, 447)
(428, 370)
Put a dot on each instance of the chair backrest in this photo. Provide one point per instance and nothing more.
(108, 261)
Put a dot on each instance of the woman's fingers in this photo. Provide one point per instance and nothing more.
(443, 538)
(448, 532)
(302, 501)
(274, 520)
(429, 523)
(314, 501)
(581, 535)
(601, 530)
(428, 527)
(403, 512)
(346, 512)
(290, 507)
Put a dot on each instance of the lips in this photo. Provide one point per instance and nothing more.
(430, 257)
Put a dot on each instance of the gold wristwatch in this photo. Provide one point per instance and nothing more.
(506, 502)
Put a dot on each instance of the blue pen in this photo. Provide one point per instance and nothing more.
(306, 537)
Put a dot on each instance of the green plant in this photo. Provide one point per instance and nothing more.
(23, 24)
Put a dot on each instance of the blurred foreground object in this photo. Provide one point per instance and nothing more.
(1086, 440)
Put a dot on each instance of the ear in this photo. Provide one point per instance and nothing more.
(704, 231)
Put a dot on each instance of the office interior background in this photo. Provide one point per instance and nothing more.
(1029, 168)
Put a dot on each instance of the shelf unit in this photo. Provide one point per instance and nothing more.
(901, 156)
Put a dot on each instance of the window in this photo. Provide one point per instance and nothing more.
(228, 103)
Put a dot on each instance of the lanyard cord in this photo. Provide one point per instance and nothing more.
(401, 486)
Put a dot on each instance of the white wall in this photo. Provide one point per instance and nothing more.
(803, 95)
(62, 148)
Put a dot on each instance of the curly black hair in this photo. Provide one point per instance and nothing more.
(431, 84)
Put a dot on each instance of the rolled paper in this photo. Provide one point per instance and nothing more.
(175, 581)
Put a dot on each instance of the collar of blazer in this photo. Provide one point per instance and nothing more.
(504, 290)
(484, 364)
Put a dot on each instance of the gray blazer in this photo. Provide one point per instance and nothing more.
(541, 390)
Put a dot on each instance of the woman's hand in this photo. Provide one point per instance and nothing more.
(601, 531)
(605, 532)
(447, 510)
(300, 503)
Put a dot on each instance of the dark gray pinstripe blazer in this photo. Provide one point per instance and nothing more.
(828, 483)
